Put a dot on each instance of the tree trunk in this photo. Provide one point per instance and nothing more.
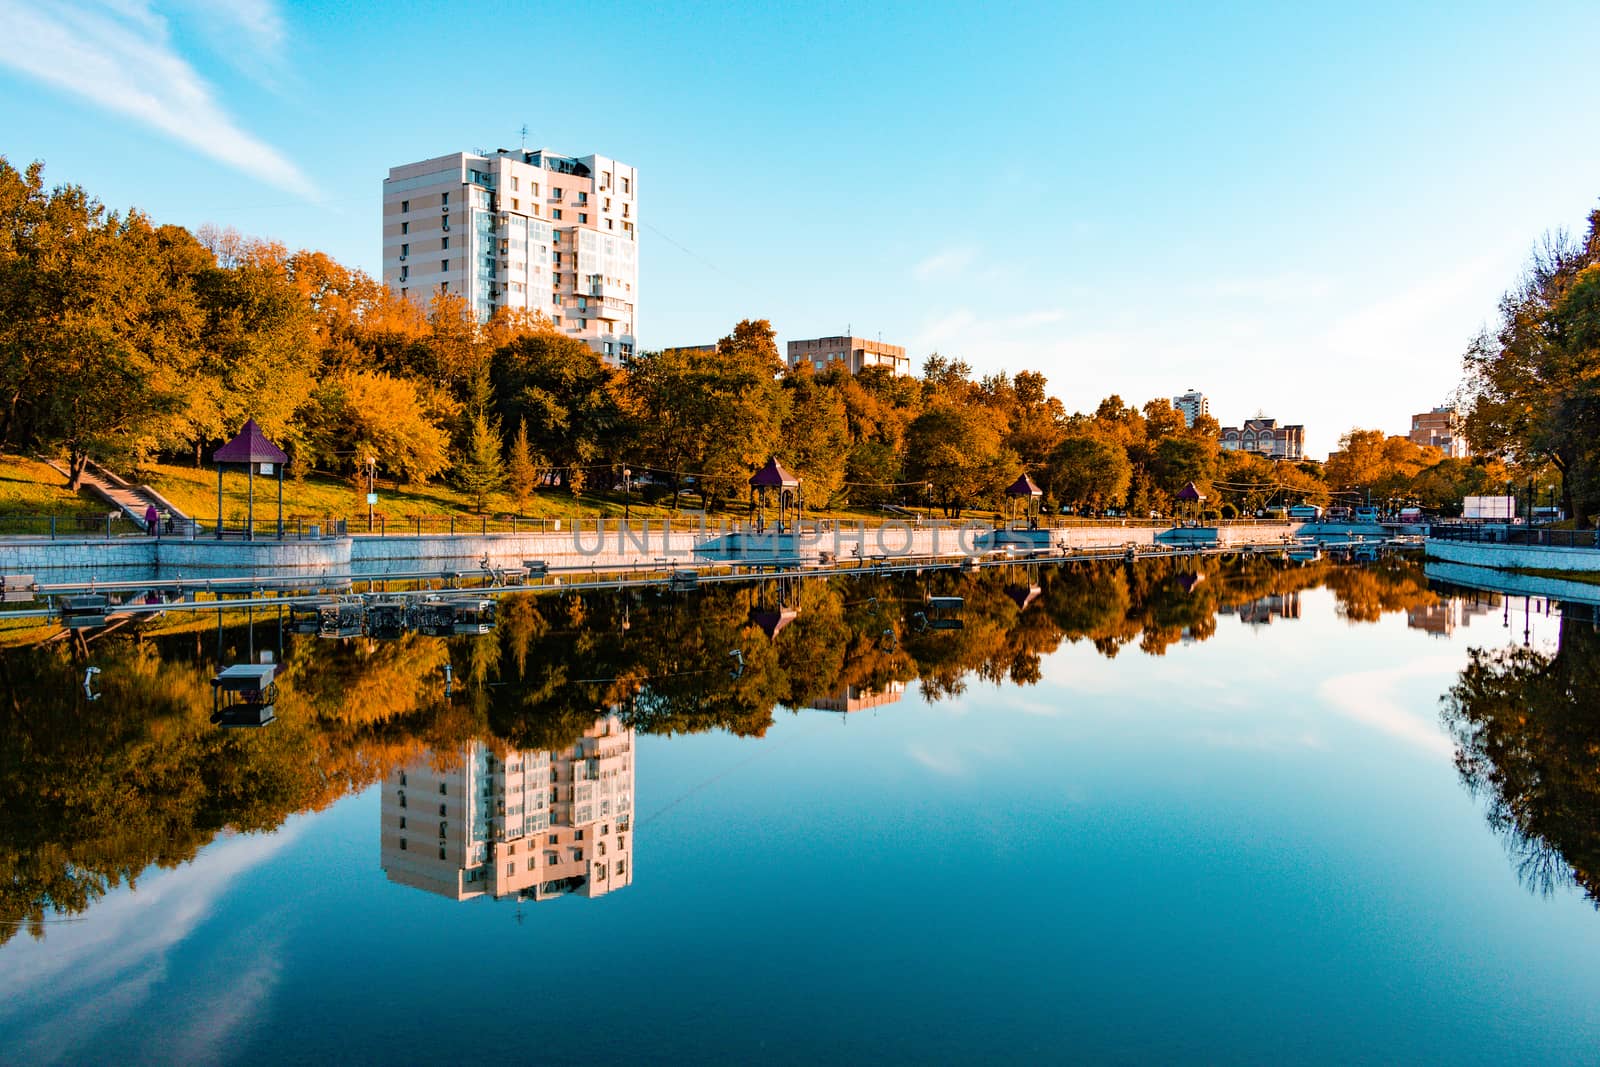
(76, 463)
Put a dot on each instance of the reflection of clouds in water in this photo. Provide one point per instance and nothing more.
(1262, 740)
(1370, 698)
(253, 972)
(105, 966)
(944, 763)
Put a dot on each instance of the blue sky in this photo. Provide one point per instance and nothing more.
(1302, 213)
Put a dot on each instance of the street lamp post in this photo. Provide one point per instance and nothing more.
(927, 488)
(372, 488)
(627, 494)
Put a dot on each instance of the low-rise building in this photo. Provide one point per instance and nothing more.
(853, 353)
(1265, 437)
(1441, 428)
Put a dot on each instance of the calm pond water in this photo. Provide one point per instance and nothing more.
(1226, 811)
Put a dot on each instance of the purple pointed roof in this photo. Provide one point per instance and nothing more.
(1189, 492)
(1024, 486)
(773, 476)
(250, 446)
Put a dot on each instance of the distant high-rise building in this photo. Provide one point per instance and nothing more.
(1265, 437)
(1441, 428)
(531, 823)
(527, 230)
(853, 353)
(1193, 404)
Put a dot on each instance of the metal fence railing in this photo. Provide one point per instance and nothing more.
(1516, 535)
(80, 525)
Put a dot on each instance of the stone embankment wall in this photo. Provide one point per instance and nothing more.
(139, 558)
(1515, 557)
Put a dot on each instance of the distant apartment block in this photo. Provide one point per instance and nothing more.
(1265, 437)
(1193, 405)
(853, 353)
(525, 230)
(1441, 428)
(526, 823)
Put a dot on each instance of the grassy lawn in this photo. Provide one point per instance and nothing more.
(28, 487)
(316, 497)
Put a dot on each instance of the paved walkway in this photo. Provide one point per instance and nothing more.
(131, 500)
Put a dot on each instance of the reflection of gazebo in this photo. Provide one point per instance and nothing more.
(774, 477)
(1023, 489)
(250, 448)
(1191, 498)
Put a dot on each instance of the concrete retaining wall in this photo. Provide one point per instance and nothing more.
(1515, 557)
(1558, 589)
(136, 558)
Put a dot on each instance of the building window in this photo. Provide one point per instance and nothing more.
(441, 852)
(444, 828)
(583, 198)
(446, 242)
(402, 822)
(516, 205)
(405, 227)
(555, 213)
(441, 809)
(444, 265)
(405, 273)
(445, 199)
(403, 292)
(555, 192)
(627, 187)
(553, 839)
(583, 216)
(514, 184)
(610, 225)
(405, 205)
(402, 844)
(405, 250)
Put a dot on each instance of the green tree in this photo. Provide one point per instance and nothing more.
(521, 474)
(1534, 383)
(1088, 470)
(482, 471)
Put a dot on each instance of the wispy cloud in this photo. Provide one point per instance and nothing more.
(107, 966)
(944, 263)
(1372, 699)
(119, 55)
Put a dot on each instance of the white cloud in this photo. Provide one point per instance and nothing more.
(108, 964)
(945, 262)
(119, 55)
(1370, 698)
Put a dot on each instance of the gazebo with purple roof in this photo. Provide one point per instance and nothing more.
(1190, 497)
(774, 477)
(1025, 490)
(250, 448)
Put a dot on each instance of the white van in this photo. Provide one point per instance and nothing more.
(1305, 513)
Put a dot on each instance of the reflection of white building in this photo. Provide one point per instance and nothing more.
(1442, 617)
(859, 698)
(536, 824)
(1262, 611)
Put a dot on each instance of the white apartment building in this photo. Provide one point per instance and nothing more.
(523, 229)
(1193, 404)
(530, 823)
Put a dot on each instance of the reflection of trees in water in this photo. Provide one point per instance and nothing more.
(1527, 730)
(92, 794)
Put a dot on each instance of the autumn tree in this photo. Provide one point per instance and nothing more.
(1088, 470)
(521, 474)
(1534, 382)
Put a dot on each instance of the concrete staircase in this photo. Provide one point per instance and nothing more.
(130, 499)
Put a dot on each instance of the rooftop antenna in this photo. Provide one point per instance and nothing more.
(524, 136)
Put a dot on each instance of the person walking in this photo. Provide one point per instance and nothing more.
(152, 520)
